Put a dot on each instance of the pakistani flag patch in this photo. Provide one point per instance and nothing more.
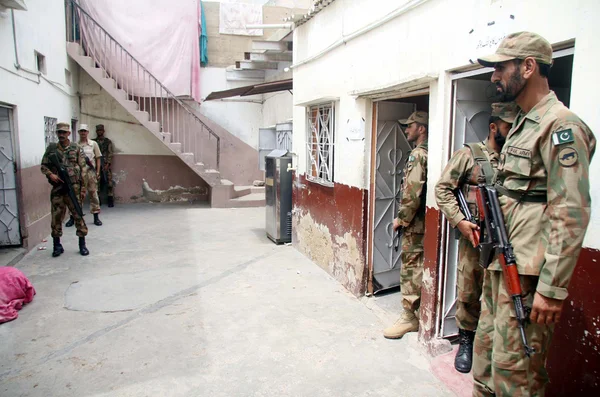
(564, 136)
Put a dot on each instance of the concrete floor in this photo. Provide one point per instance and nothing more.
(176, 300)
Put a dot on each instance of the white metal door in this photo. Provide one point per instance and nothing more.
(392, 149)
(472, 111)
(10, 233)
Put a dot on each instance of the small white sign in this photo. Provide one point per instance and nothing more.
(355, 129)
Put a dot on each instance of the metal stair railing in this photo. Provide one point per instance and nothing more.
(140, 85)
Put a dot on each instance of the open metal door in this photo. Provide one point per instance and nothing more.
(472, 110)
(392, 151)
(10, 231)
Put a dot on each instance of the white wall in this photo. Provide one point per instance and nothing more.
(431, 39)
(41, 28)
(241, 116)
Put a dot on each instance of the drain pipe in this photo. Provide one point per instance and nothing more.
(344, 39)
(17, 64)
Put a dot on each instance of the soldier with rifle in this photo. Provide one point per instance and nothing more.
(540, 199)
(456, 195)
(65, 167)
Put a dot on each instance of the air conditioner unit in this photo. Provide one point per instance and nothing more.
(14, 4)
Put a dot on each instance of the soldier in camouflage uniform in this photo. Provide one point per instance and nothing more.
(411, 218)
(543, 183)
(106, 148)
(71, 156)
(462, 172)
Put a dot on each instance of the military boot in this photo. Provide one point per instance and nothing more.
(464, 355)
(111, 202)
(58, 248)
(82, 248)
(97, 220)
(70, 222)
(406, 323)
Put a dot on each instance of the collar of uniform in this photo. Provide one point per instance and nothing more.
(540, 108)
(422, 145)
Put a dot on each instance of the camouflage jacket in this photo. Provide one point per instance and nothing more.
(461, 172)
(106, 148)
(548, 152)
(73, 159)
(411, 212)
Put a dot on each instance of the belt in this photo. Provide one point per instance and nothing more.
(523, 197)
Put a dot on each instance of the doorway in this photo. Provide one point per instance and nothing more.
(472, 95)
(10, 230)
(391, 151)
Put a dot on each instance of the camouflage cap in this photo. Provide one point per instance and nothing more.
(505, 111)
(100, 127)
(62, 126)
(420, 117)
(520, 45)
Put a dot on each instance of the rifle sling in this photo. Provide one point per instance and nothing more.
(483, 161)
(523, 197)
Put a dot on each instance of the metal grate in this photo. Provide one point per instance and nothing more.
(288, 226)
(320, 143)
(50, 130)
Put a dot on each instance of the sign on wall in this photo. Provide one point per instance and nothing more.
(491, 26)
(233, 18)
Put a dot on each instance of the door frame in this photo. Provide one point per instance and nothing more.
(12, 113)
(445, 230)
(372, 174)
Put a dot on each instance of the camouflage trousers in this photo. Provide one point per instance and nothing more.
(109, 185)
(469, 281)
(411, 272)
(59, 204)
(500, 366)
(92, 189)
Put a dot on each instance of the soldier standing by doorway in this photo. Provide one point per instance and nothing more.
(106, 148)
(411, 218)
(543, 183)
(71, 159)
(462, 172)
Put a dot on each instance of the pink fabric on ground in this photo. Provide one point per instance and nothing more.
(15, 291)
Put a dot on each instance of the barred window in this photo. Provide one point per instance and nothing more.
(320, 142)
(50, 130)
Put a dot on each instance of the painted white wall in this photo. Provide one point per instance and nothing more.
(126, 133)
(41, 28)
(433, 39)
(241, 116)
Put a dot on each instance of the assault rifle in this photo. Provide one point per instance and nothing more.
(464, 208)
(67, 184)
(496, 240)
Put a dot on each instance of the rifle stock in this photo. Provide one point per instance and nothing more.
(496, 241)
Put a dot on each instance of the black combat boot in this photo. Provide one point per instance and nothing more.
(70, 222)
(97, 220)
(82, 248)
(111, 202)
(58, 248)
(464, 356)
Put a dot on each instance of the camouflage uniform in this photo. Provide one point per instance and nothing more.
(462, 173)
(106, 148)
(546, 155)
(73, 158)
(411, 216)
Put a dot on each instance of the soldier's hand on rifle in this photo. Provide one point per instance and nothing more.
(54, 178)
(396, 224)
(545, 310)
(467, 228)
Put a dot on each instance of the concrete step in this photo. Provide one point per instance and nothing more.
(188, 158)
(240, 191)
(249, 200)
(175, 146)
(166, 137)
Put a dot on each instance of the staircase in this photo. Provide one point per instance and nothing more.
(156, 108)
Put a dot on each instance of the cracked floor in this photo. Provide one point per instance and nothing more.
(179, 300)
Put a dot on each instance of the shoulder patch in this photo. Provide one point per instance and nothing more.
(411, 158)
(568, 157)
(564, 136)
